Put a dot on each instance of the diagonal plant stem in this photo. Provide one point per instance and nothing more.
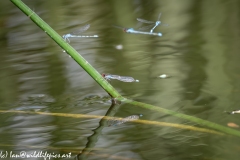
(183, 116)
(65, 46)
(102, 82)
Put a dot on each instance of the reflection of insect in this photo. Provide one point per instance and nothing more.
(118, 121)
(120, 78)
(152, 25)
(164, 76)
(233, 112)
(75, 34)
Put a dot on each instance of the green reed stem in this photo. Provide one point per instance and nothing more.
(101, 81)
(183, 116)
(65, 46)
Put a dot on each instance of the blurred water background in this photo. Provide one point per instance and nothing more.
(199, 49)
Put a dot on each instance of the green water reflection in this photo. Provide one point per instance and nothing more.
(199, 50)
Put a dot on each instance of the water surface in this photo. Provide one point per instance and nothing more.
(199, 50)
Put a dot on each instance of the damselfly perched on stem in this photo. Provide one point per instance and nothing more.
(120, 78)
(152, 25)
(75, 34)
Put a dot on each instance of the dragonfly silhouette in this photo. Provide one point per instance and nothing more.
(153, 24)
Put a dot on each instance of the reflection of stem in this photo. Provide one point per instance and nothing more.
(114, 100)
(92, 140)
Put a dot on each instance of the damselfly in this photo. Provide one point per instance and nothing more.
(118, 121)
(131, 30)
(75, 34)
(152, 25)
(120, 78)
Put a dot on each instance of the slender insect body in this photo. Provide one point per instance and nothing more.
(131, 30)
(118, 121)
(75, 34)
(120, 78)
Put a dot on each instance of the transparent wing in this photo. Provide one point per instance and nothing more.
(120, 78)
(131, 118)
(118, 27)
(111, 76)
(80, 30)
(159, 16)
(146, 27)
(125, 79)
(118, 121)
(164, 24)
(113, 122)
(145, 21)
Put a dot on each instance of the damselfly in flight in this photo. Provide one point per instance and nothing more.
(131, 30)
(118, 121)
(152, 25)
(120, 78)
(75, 34)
